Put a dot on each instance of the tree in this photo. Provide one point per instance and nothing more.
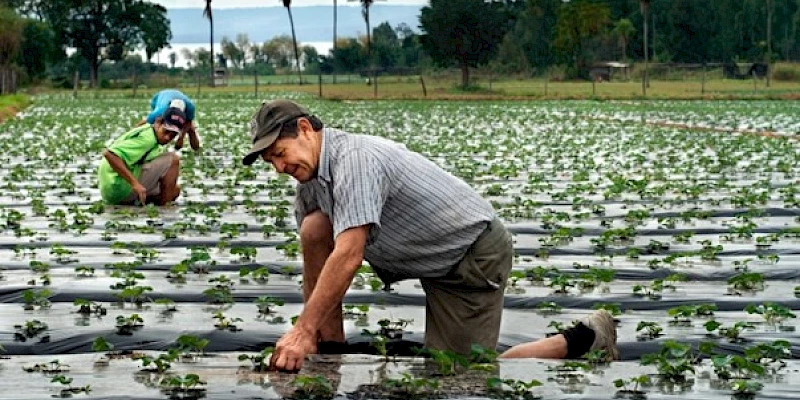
(365, 5)
(623, 29)
(288, 5)
(386, 46)
(310, 59)
(464, 32)
(278, 51)
(645, 8)
(231, 52)
(155, 37)
(208, 14)
(38, 48)
(173, 58)
(579, 21)
(103, 29)
(11, 26)
(243, 45)
(348, 55)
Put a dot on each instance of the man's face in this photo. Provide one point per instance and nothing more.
(298, 156)
(164, 136)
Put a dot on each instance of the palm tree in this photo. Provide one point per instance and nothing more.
(288, 5)
(207, 14)
(365, 5)
(645, 8)
(334, 35)
(623, 29)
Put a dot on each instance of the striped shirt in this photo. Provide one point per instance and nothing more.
(422, 219)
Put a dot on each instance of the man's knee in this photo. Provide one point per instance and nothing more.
(316, 228)
(176, 161)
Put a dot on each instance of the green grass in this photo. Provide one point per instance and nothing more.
(11, 104)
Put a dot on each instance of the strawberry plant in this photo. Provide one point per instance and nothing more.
(225, 323)
(629, 388)
(183, 387)
(29, 330)
(266, 304)
(312, 387)
(87, 307)
(773, 313)
(512, 388)
(649, 330)
(67, 389)
(260, 360)
(731, 333)
(407, 386)
(36, 299)
(126, 325)
(673, 362)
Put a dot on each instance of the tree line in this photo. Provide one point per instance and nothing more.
(511, 36)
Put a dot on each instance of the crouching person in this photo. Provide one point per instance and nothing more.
(136, 168)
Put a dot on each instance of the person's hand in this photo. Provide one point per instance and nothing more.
(292, 348)
(141, 192)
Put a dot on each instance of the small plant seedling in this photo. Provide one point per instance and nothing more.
(266, 305)
(29, 330)
(673, 362)
(773, 313)
(731, 333)
(736, 367)
(167, 304)
(36, 299)
(84, 271)
(100, 344)
(53, 367)
(316, 387)
(770, 354)
(548, 308)
(630, 387)
(225, 323)
(88, 307)
(160, 364)
(596, 357)
(69, 390)
(746, 282)
(183, 387)
(126, 325)
(260, 361)
(409, 386)
(192, 345)
(513, 388)
(744, 388)
(649, 330)
(449, 362)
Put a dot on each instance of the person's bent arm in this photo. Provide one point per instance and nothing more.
(332, 284)
(120, 168)
(194, 141)
(140, 123)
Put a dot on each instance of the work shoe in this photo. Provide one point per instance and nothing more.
(605, 333)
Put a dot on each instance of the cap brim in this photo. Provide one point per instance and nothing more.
(172, 128)
(259, 146)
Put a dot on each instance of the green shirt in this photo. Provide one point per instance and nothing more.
(134, 148)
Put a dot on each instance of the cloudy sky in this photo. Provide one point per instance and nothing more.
(267, 3)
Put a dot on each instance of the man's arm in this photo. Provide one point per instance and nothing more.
(120, 168)
(194, 141)
(140, 123)
(336, 276)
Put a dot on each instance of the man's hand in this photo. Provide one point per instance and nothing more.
(141, 192)
(292, 348)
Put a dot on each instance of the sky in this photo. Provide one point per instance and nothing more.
(267, 3)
